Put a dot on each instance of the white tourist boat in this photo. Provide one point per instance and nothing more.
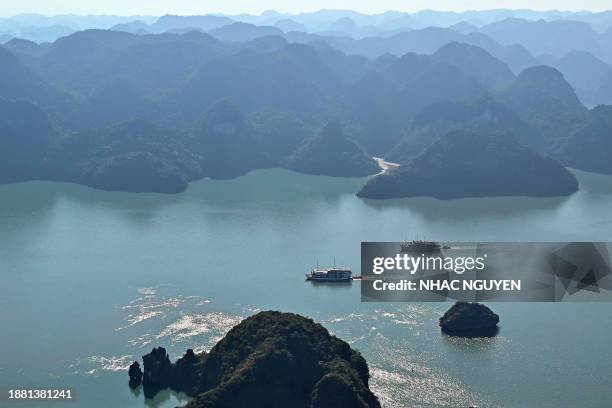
(330, 275)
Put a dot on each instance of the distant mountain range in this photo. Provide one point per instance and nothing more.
(519, 37)
(575, 43)
(345, 22)
(178, 98)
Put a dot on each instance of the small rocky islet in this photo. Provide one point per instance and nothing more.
(465, 319)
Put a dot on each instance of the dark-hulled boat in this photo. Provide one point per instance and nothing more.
(420, 246)
(330, 275)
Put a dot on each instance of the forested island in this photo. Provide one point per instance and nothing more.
(151, 109)
(270, 359)
(498, 166)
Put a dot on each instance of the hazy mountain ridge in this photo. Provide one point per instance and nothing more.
(542, 97)
(585, 72)
(344, 21)
(281, 89)
(426, 38)
(331, 153)
(439, 119)
(588, 147)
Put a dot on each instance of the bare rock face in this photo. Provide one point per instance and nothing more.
(469, 320)
(157, 367)
(135, 374)
(184, 375)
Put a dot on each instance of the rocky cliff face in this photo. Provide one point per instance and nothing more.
(184, 375)
(135, 374)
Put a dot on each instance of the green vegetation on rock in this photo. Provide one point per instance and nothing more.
(271, 359)
(474, 164)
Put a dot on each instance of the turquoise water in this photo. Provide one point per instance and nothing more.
(92, 280)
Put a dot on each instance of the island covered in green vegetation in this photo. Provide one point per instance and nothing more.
(270, 359)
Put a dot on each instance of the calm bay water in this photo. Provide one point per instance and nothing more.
(91, 280)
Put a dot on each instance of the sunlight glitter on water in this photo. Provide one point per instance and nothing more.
(401, 388)
(181, 319)
(94, 364)
(398, 379)
(193, 325)
(148, 307)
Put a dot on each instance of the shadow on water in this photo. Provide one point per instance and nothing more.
(275, 185)
(483, 333)
(330, 285)
(39, 196)
(493, 207)
(469, 208)
(476, 342)
(136, 391)
(278, 186)
(161, 397)
(265, 187)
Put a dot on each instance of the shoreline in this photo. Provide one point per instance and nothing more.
(384, 165)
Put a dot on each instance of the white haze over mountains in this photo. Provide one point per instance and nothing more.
(42, 28)
(192, 7)
(575, 43)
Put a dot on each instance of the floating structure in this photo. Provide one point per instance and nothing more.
(420, 246)
(330, 275)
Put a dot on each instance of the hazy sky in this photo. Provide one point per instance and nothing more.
(159, 7)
